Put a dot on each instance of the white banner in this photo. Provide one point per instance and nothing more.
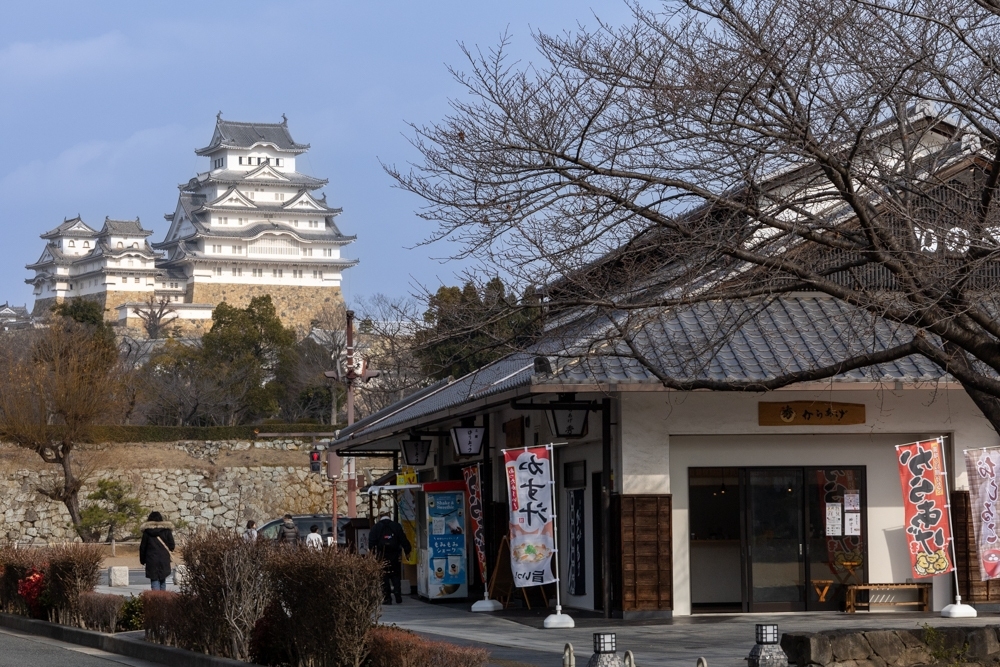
(532, 510)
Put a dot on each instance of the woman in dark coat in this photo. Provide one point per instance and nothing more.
(154, 550)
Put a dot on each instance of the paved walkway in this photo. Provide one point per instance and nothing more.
(723, 639)
(23, 650)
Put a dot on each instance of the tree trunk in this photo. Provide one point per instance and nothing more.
(71, 494)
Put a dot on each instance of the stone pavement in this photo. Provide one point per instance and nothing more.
(516, 637)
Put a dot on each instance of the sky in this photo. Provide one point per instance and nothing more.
(103, 104)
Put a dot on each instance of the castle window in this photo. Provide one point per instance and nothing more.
(279, 196)
(72, 244)
(277, 162)
(250, 194)
(328, 252)
(295, 223)
(318, 275)
(237, 250)
(258, 273)
(276, 273)
(218, 270)
(307, 252)
(86, 244)
(218, 163)
(130, 262)
(135, 245)
(237, 271)
(137, 279)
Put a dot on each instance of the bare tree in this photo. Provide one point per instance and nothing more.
(729, 154)
(56, 385)
(156, 315)
(387, 337)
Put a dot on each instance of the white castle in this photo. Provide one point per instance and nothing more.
(250, 225)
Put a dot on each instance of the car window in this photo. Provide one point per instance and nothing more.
(270, 530)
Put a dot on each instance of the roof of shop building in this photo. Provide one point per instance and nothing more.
(786, 335)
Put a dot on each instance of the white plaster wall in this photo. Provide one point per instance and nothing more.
(591, 453)
(673, 431)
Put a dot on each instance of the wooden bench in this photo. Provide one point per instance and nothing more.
(923, 600)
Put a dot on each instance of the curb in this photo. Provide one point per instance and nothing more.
(129, 644)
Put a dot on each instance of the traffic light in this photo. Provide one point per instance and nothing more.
(315, 465)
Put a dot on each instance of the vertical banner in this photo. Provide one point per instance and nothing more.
(407, 500)
(474, 484)
(925, 505)
(532, 543)
(982, 466)
(576, 583)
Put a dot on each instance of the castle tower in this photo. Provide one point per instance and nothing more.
(110, 266)
(253, 225)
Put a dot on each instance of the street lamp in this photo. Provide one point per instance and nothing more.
(468, 440)
(415, 451)
(568, 422)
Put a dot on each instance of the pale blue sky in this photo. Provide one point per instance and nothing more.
(103, 104)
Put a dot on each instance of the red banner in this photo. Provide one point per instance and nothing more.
(926, 505)
(532, 543)
(983, 466)
(474, 488)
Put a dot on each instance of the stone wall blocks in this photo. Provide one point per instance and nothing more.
(982, 643)
(886, 644)
(850, 646)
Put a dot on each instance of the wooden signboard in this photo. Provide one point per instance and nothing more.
(810, 413)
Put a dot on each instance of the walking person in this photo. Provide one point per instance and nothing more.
(250, 534)
(388, 542)
(154, 550)
(288, 532)
(314, 540)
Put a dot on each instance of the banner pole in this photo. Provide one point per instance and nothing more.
(956, 610)
(558, 619)
(486, 604)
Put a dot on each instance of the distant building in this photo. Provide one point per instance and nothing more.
(15, 317)
(250, 225)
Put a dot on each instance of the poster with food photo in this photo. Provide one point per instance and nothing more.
(529, 486)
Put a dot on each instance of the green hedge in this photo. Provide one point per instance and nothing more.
(172, 433)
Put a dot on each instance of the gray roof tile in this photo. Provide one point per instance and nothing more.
(235, 134)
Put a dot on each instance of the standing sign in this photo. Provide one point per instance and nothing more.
(926, 507)
(441, 536)
(476, 519)
(982, 466)
(407, 505)
(532, 539)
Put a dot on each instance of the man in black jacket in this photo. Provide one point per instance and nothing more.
(388, 541)
(288, 532)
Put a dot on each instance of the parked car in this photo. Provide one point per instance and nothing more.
(304, 522)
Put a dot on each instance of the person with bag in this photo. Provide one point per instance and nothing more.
(154, 550)
(388, 542)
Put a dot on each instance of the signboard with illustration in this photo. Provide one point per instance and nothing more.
(983, 466)
(532, 540)
(441, 569)
(926, 507)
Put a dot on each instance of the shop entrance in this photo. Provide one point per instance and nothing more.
(777, 538)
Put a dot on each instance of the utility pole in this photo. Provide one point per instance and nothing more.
(350, 377)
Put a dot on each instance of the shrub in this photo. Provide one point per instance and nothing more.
(395, 647)
(331, 600)
(130, 617)
(163, 617)
(269, 641)
(15, 566)
(73, 569)
(100, 611)
(227, 591)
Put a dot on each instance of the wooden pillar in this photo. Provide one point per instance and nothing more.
(606, 503)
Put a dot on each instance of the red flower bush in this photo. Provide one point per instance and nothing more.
(30, 589)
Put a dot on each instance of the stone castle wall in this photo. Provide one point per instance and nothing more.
(212, 496)
(297, 305)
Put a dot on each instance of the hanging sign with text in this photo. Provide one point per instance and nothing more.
(532, 511)
(983, 466)
(810, 413)
(925, 506)
(476, 520)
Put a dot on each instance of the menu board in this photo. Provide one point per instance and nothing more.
(834, 521)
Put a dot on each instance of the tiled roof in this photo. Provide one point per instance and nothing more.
(234, 134)
(65, 229)
(234, 177)
(124, 228)
(764, 340)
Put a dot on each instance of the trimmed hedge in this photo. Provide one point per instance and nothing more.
(395, 647)
(147, 433)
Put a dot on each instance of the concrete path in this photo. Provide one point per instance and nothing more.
(22, 650)
(723, 639)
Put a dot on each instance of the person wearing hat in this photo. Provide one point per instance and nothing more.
(154, 550)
